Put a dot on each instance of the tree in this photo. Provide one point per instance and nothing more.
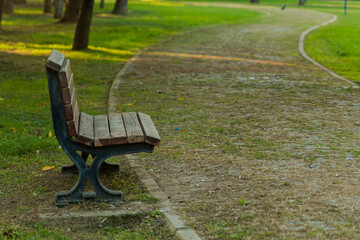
(9, 7)
(82, 32)
(254, 1)
(58, 10)
(102, 3)
(120, 7)
(72, 11)
(19, 1)
(2, 3)
(47, 6)
(302, 2)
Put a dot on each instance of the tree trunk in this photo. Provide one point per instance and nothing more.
(82, 32)
(72, 11)
(9, 7)
(254, 1)
(58, 10)
(47, 6)
(19, 1)
(120, 7)
(2, 3)
(302, 2)
(102, 3)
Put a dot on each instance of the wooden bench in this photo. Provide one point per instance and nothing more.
(102, 136)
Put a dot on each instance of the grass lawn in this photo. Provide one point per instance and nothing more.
(27, 139)
(336, 46)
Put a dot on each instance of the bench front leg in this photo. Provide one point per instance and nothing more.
(102, 193)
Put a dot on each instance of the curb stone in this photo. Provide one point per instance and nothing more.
(173, 220)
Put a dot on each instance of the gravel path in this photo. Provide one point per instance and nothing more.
(267, 146)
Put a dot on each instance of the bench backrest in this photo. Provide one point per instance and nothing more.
(100, 130)
(61, 67)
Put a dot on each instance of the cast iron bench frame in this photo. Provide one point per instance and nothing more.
(67, 124)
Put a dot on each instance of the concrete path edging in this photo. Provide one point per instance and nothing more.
(303, 53)
(173, 220)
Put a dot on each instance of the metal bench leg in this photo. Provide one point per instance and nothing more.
(75, 195)
(102, 193)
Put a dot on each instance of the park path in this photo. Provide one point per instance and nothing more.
(267, 145)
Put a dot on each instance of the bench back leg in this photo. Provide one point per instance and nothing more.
(75, 195)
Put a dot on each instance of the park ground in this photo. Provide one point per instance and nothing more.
(266, 145)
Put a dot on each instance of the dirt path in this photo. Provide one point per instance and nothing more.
(268, 143)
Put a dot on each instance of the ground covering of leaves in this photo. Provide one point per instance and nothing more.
(250, 149)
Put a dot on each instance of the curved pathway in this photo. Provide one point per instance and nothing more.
(266, 138)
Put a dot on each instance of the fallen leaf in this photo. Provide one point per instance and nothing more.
(130, 104)
(1, 99)
(46, 168)
(180, 99)
(37, 152)
(42, 104)
(50, 134)
(14, 129)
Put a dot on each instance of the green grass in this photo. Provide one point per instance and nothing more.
(336, 46)
(27, 139)
(138, 227)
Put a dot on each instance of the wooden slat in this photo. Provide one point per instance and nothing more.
(73, 125)
(69, 109)
(133, 128)
(117, 129)
(65, 73)
(67, 91)
(101, 130)
(86, 129)
(150, 132)
(55, 60)
(76, 118)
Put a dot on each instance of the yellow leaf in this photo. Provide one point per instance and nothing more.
(180, 99)
(130, 104)
(48, 168)
(1, 99)
(50, 134)
(37, 152)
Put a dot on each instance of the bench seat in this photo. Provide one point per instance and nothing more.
(114, 129)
